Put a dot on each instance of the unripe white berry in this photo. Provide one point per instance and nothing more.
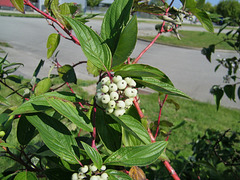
(103, 168)
(105, 98)
(84, 169)
(128, 102)
(119, 112)
(93, 168)
(105, 80)
(114, 96)
(104, 176)
(132, 83)
(117, 78)
(111, 104)
(74, 176)
(113, 87)
(94, 177)
(134, 93)
(81, 176)
(120, 104)
(104, 88)
(128, 79)
(99, 96)
(109, 110)
(128, 91)
(122, 84)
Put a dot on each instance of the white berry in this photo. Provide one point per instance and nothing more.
(114, 96)
(134, 93)
(122, 84)
(120, 104)
(119, 112)
(128, 79)
(74, 176)
(103, 168)
(84, 169)
(117, 78)
(105, 80)
(105, 98)
(128, 91)
(113, 87)
(93, 168)
(104, 176)
(95, 177)
(104, 88)
(132, 83)
(128, 102)
(111, 104)
(109, 110)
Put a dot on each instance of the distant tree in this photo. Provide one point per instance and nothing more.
(229, 8)
(93, 3)
(206, 6)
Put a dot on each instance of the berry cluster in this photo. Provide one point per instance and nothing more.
(116, 95)
(90, 172)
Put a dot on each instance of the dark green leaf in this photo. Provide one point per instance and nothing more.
(230, 91)
(204, 19)
(238, 92)
(56, 11)
(70, 111)
(94, 155)
(3, 101)
(141, 70)
(126, 43)
(134, 127)
(40, 65)
(218, 94)
(25, 131)
(43, 86)
(52, 44)
(189, 3)
(117, 175)
(8, 145)
(161, 87)
(19, 5)
(14, 78)
(26, 175)
(56, 136)
(208, 51)
(128, 139)
(137, 155)
(58, 174)
(67, 73)
(107, 127)
(92, 45)
(114, 20)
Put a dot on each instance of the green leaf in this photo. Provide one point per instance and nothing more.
(137, 155)
(19, 5)
(56, 136)
(43, 86)
(70, 111)
(56, 11)
(117, 175)
(130, 140)
(141, 70)
(92, 69)
(26, 175)
(14, 78)
(114, 20)
(161, 87)
(107, 127)
(40, 104)
(204, 19)
(208, 51)
(3, 101)
(94, 48)
(52, 44)
(218, 94)
(8, 145)
(40, 65)
(25, 131)
(230, 91)
(134, 127)
(238, 92)
(67, 73)
(94, 155)
(126, 43)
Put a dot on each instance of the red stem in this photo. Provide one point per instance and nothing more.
(136, 104)
(74, 39)
(160, 113)
(171, 170)
(94, 133)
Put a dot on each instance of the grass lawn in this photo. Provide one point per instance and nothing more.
(195, 39)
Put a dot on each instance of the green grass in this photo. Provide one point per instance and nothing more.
(191, 39)
(20, 15)
(196, 116)
(4, 44)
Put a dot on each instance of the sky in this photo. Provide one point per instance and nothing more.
(177, 3)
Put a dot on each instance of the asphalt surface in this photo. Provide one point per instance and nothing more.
(187, 68)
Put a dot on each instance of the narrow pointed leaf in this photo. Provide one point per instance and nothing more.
(117, 175)
(56, 136)
(134, 127)
(43, 86)
(67, 73)
(204, 19)
(3, 101)
(114, 20)
(52, 44)
(19, 5)
(94, 155)
(127, 42)
(94, 48)
(26, 175)
(137, 155)
(70, 111)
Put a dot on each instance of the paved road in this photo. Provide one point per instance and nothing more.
(187, 68)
